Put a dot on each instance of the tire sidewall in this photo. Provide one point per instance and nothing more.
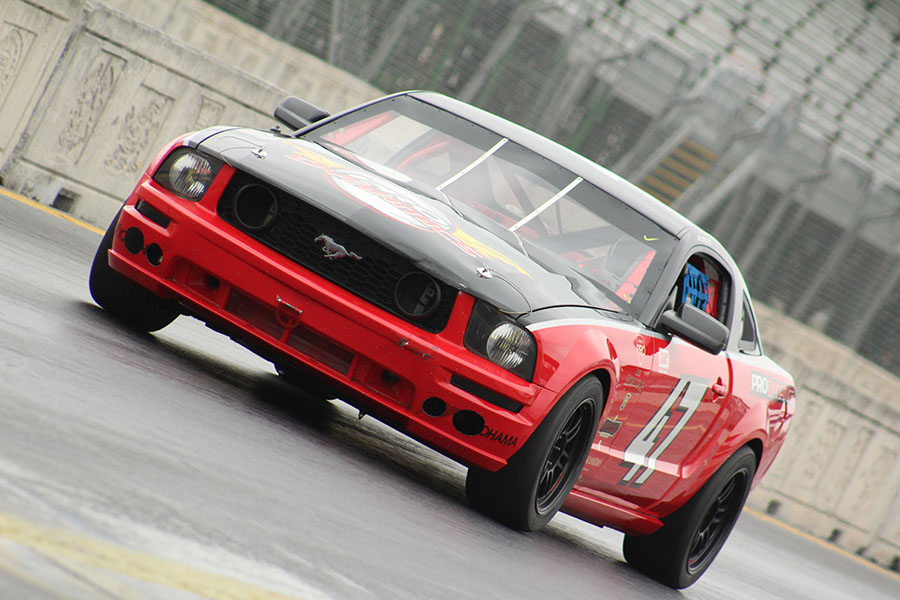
(136, 306)
(101, 258)
(682, 527)
(531, 459)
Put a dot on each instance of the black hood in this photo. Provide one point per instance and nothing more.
(454, 243)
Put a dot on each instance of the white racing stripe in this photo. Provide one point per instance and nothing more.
(607, 324)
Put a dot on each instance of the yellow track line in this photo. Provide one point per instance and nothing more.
(50, 211)
(823, 543)
(67, 546)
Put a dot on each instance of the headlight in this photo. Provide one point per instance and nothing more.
(509, 345)
(497, 337)
(188, 173)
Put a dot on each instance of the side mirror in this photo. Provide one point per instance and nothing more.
(297, 113)
(697, 327)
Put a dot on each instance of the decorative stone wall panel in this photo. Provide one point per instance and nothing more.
(81, 119)
(868, 488)
(209, 113)
(141, 122)
(15, 43)
(32, 38)
(847, 462)
(117, 93)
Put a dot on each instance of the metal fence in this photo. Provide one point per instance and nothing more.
(770, 122)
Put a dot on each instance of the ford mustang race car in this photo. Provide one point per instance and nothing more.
(574, 342)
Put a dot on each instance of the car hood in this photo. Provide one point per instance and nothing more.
(451, 242)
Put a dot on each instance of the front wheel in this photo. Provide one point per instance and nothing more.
(679, 553)
(527, 492)
(129, 302)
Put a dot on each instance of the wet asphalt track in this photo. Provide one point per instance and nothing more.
(178, 466)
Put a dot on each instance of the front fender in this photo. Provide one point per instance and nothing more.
(569, 353)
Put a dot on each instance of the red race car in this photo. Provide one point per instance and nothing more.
(574, 342)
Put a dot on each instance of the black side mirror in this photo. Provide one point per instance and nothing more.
(697, 327)
(296, 113)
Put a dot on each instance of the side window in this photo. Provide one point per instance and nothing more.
(705, 284)
(749, 341)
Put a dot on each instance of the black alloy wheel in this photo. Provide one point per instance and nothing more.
(563, 455)
(717, 521)
(534, 484)
(691, 537)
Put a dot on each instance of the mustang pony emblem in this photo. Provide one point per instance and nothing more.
(333, 250)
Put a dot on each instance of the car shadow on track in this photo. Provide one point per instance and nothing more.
(275, 398)
(332, 423)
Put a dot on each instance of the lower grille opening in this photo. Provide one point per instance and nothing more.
(307, 341)
(254, 312)
(321, 349)
(384, 381)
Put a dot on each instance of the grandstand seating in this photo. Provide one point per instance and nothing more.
(771, 122)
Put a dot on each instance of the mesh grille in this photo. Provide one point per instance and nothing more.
(293, 234)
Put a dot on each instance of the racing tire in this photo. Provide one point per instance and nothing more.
(679, 553)
(132, 304)
(531, 488)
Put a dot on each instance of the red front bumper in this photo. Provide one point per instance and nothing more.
(381, 363)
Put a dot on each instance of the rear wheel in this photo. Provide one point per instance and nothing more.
(679, 553)
(136, 306)
(527, 492)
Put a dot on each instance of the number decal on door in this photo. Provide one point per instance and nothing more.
(643, 451)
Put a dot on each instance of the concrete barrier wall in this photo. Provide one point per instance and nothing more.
(88, 92)
(837, 476)
(32, 38)
(251, 51)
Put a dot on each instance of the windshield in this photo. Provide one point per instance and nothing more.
(589, 233)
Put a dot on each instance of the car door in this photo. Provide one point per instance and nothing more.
(677, 406)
